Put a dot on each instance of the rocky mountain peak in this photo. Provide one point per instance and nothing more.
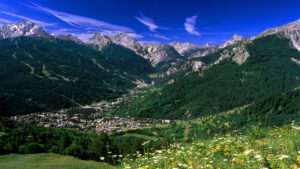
(235, 38)
(291, 31)
(207, 45)
(24, 28)
(69, 37)
(121, 35)
(162, 55)
(175, 43)
(122, 39)
(188, 44)
(288, 27)
(183, 47)
(98, 35)
(293, 25)
(128, 42)
(99, 40)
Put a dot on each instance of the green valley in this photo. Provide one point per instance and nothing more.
(83, 92)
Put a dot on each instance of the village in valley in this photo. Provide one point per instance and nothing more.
(93, 118)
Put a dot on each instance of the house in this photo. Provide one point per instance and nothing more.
(166, 121)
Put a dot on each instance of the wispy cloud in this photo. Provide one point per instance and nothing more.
(62, 31)
(159, 36)
(189, 25)
(6, 7)
(148, 22)
(135, 35)
(80, 21)
(83, 27)
(5, 21)
(40, 23)
(227, 33)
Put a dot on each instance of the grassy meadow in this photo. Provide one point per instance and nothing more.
(261, 148)
(47, 161)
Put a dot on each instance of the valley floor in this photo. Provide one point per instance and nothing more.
(261, 135)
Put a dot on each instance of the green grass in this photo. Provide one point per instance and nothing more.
(274, 148)
(47, 161)
(2, 133)
(139, 136)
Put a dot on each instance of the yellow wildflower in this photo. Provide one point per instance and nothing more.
(173, 164)
(262, 143)
(227, 153)
(200, 166)
(240, 161)
(294, 166)
(126, 166)
(239, 146)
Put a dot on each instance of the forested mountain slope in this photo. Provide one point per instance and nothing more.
(128, 62)
(39, 74)
(272, 67)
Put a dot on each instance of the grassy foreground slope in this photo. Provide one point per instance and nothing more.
(227, 85)
(264, 134)
(47, 161)
(276, 148)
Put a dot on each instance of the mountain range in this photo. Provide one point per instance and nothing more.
(160, 56)
(238, 73)
(43, 72)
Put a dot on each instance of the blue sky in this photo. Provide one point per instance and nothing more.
(154, 21)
